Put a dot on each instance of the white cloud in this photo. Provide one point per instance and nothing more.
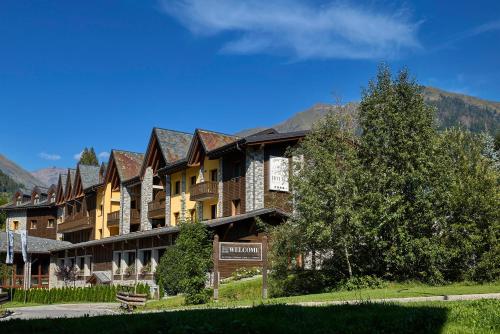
(298, 28)
(78, 156)
(103, 155)
(48, 156)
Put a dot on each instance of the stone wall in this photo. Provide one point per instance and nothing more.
(125, 199)
(146, 197)
(16, 215)
(254, 176)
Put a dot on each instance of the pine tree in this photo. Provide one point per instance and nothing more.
(89, 157)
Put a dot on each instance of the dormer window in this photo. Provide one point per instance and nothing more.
(36, 200)
(52, 198)
(18, 200)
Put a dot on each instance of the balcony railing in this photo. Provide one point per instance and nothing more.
(204, 190)
(114, 217)
(156, 209)
(78, 221)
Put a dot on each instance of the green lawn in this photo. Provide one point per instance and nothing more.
(241, 293)
(436, 317)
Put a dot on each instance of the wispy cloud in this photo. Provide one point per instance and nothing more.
(103, 155)
(48, 156)
(470, 33)
(299, 29)
(77, 156)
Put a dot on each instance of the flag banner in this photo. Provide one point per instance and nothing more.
(10, 247)
(24, 245)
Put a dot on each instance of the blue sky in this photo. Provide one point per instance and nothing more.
(103, 73)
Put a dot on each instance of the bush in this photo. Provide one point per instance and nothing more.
(361, 282)
(98, 293)
(242, 273)
(184, 266)
(300, 283)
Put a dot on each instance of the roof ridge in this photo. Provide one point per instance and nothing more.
(125, 151)
(218, 132)
(177, 131)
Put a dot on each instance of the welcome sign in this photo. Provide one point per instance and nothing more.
(241, 251)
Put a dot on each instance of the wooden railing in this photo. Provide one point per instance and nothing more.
(114, 218)
(156, 209)
(79, 221)
(17, 281)
(204, 190)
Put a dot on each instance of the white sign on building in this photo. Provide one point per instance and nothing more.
(278, 173)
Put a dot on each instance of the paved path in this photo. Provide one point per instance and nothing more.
(63, 311)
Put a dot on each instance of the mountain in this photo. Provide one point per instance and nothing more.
(453, 109)
(18, 174)
(48, 175)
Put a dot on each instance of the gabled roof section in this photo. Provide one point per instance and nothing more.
(123, 166)
(61, 186)
(128, 164)
(89, 175)
(165, 147)
(70, 179)
(205, 141)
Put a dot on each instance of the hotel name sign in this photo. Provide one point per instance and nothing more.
(240, 251)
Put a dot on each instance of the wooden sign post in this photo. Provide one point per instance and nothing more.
(216, 267)
(264, 267)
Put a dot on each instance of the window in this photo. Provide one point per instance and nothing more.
(81, 264)
(235, 207)
(177, 187)
(213, 211)
(100, 210)
(50, 223)
(237, 169)
(213, 175)
(52, 198)
(146, 257)
(33, 224)
(193, 180)
(36, 200)
(15, 225)
(117, 263)
(176, 218)
(192, 214)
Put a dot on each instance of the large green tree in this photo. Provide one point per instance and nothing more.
(184, 266)
(88, 157)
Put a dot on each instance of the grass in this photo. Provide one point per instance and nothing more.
(435, 317)
(248, 292)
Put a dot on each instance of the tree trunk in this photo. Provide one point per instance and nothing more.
(349, 269)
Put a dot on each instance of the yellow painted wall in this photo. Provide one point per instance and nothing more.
(175, 200)
(99, 213)
(111, 203)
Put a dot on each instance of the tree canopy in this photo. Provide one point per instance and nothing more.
(88, 157)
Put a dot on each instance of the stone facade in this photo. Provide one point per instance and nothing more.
(125, 199)
(168, 189)
(19, 216)
(183, 197)
(146, 197)
(254, 192)
(199, 204)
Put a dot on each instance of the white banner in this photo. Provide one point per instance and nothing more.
(10, 247)
(24, 245)
(278, 173)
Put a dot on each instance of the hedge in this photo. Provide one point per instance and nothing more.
(98, 293)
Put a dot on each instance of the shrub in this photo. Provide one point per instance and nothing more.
(184, 266)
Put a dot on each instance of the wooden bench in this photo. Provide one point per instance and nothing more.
(4, 297)
(130, 300)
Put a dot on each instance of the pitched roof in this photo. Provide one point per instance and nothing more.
(35, 244)
(127, 163)
(89, 175)
(212, 140)
(174, 144)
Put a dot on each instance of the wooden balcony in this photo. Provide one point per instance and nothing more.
(114, 217)
(204, 190)
(156, 209)
(76, 222)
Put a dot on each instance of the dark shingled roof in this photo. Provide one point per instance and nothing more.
(89, 175)
(63, 182)
(174, 144)
(213, 140)
(35, 244)
(127, 163)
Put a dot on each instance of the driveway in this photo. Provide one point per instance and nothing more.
(63, 311)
